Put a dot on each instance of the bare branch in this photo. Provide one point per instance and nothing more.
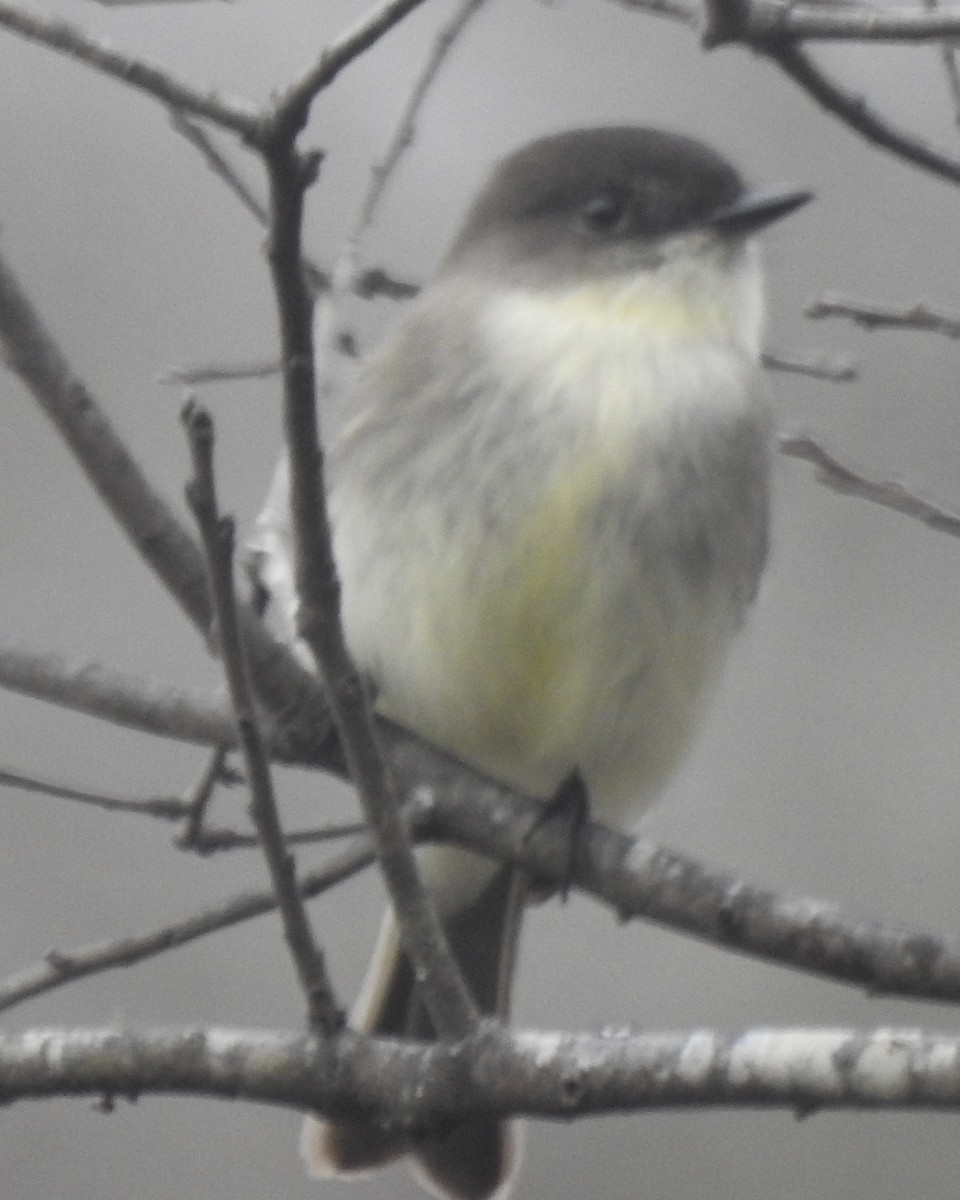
(173, 808)
(948, 56)
(547, 1074)
(201, 794)
(318, 591)
(63, 967)
(324, 1015)
(374, 281)
(296, 99)
(132, 701)
(405, 131)
(835, 369)
(770, 19)
(844, 479)
(346, 275)
(201, 141)
(853, 111)
(870, 316)
(164, 808)
(219, 373)
(674, 10)
(638, 878)
(155, 81)
(635, 877)
(774, 29)
(291, 694)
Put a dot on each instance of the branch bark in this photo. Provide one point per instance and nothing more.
(496, 1072)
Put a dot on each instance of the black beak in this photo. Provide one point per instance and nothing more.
(753, 211)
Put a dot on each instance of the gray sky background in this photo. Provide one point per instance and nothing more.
(830, 762)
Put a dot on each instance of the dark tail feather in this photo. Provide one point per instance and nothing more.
(474, 1159)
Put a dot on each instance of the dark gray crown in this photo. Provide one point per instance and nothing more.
(600, 185)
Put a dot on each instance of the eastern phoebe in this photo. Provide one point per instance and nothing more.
(549, 511)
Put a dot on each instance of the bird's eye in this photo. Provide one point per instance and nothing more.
(605, 211)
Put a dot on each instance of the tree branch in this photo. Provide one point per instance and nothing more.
(762, 20)
(318, 593)
(497, 1072)
(845, 480)
(869, 316)
(164, 808)
(324, 1015)
(62, 967)
(131, 701)
(835, 369)
(854, 112)
(295, 100)
(291, 694)
(638, 878)
(146, 77)
(173, 808)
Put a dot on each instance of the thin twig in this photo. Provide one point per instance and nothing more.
(845, 480)
(368, 284)
(236, 115)
(948, 57)
(680, 11)
(837, 369)
(871, 316)
(164, 808)
(201, 141)
(346, 273)
(374, 282)
(339, 54)
(773, 29)
(445, 993)
(218, 373)
(199, 797)
(217, 532)
(405, 131)
(948, 60)
(854, 112)
(173, 808)
(216, 841)
(63, 967)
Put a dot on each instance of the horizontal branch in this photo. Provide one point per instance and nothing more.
(163, 808)
(636, 877)
(121, 697)
(920, 316)
(546, 1074)
(833, 368)
(849, 22)
(757, 21)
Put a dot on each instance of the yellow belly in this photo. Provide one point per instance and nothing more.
(547, 652)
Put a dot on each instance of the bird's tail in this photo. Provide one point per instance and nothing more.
(474, 1159)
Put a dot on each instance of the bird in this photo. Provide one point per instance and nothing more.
(549, 507)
